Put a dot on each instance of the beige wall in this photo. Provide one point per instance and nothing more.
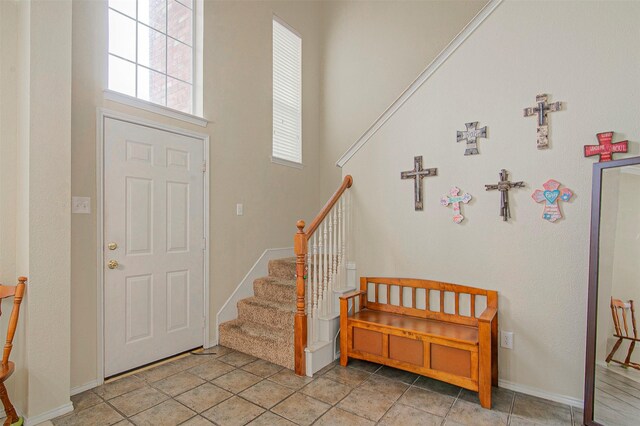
(237, 101)
(540, 269)
(35, 142)
(8, 185)
(373, 50)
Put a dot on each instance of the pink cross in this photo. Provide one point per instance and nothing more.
(551, 197)
(455, 199)
(605, 148)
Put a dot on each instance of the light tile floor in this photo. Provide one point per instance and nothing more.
(227, 387)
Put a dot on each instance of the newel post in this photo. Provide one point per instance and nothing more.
(300, 332)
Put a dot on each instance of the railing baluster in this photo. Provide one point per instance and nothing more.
(309, 287)
(320, 266)
(335, 250)
(327, 301)
(325, 268)
(340, 253)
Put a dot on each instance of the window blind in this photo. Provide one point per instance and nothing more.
(287, 94)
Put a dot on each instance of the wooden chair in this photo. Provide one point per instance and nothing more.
(619, 310)
(7, 367)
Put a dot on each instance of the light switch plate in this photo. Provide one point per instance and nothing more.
(239, 209)
(81, 205)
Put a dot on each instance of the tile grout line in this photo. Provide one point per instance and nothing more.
(341, 399)
(397, 399)
(511, 406)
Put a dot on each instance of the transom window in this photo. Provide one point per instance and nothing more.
(151, 51)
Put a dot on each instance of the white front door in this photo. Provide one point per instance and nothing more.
(154, 242)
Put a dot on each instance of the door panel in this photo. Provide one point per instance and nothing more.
(154, 212)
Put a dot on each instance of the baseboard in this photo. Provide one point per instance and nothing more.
(244, 289)
(48, 415)
(563, 399)
(79, 389)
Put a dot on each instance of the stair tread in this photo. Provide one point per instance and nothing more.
(260, 330)
(259, 340)
(266, 303)
(278, 281)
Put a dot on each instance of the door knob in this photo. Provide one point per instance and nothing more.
(113, 264)
(112, 246)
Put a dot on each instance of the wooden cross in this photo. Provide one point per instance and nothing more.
(504, 185)
(455, 199)
(605, 147)
(471, 135)
(417, 174)
(541, 111)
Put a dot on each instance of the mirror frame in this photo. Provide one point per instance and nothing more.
(592, 304)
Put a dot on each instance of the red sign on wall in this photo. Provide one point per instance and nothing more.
(605, 147)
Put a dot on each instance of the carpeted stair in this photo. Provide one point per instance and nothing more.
(264, 327)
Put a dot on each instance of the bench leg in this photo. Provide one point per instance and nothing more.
(494, 352)
(344, 331)
(485, 372)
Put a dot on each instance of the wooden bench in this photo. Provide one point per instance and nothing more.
(426, 327)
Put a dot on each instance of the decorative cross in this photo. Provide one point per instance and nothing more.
(605, 148)
(550, 197)
(471, 135)
(504, 185)
(455, 199)
(541, 111)
(417, 174)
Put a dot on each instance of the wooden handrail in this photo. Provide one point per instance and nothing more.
(300, 249)
(346, 183)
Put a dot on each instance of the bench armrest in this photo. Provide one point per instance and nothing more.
(352, 294)
(488, 315)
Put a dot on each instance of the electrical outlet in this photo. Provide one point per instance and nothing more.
(81, 205)
(506, 339)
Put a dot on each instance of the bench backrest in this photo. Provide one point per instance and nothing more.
(420, 298)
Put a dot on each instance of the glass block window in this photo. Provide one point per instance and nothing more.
(151, 49)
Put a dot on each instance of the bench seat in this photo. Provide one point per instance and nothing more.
(452, 343)
(455, 332)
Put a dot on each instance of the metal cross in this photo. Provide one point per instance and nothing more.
(504, 185)
(417, 174)
(605, 147)
(471, 135)
(541, 111)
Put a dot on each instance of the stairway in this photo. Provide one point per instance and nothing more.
(264, 327)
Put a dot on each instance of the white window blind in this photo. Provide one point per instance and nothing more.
(287, 93)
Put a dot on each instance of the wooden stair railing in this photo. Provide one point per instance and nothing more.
(303, 263)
